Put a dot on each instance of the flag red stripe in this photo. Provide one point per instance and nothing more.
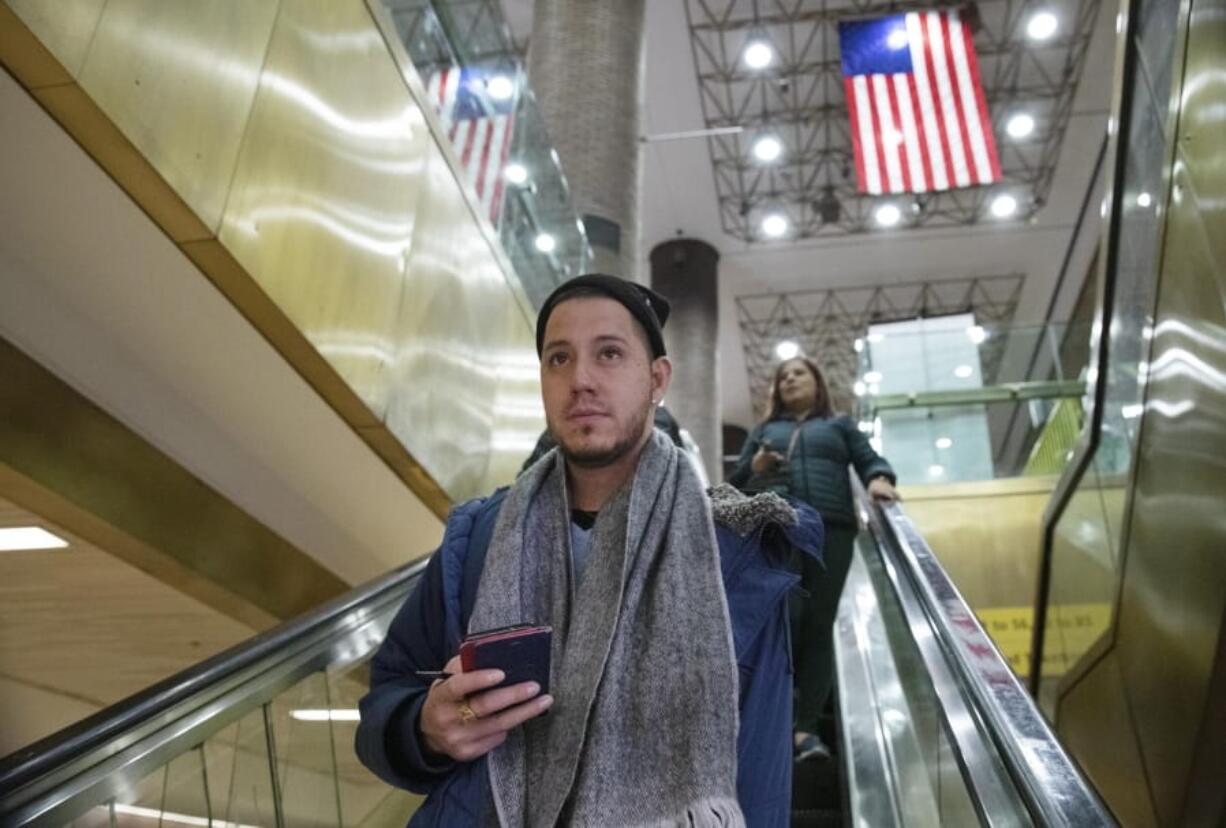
(479, 185)
(959, 104)
(849, 92)
(981, 102)
(935, 91)
(923, 136)
(903, 153)
(882, 171)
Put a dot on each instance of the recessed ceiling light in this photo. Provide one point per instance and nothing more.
(858, 345)
(872, 377)
(1144, 200)
(935, 470)
(876, 337)
(888, 215)
(545, 243)
(767, 148)
(516, 173)
(163, 817)
(1042, 25)
(859, 388)
(964, 371)
(325, 715)
(976, 334)
(21, 538)
(1004, 206)
(787, 349)
(758, 54)
(500, 87)
(944, 442)
(775, 225)
(1020, 125)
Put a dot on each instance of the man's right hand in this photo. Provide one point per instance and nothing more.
(445, 730)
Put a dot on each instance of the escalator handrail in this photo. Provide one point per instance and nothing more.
(60, 749)
(1046, 777)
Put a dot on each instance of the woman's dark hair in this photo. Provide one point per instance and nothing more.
(821, 403)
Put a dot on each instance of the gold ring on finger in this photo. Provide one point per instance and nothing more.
(467, 714)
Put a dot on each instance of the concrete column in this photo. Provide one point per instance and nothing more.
(585, 67)
(686, 273)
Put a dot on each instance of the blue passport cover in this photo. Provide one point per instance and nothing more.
(522, 652)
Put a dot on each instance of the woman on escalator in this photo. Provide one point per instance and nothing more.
(803, 449)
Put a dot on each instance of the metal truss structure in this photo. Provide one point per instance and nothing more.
(799, 99)
(826, 323)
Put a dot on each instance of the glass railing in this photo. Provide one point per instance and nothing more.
(958, 401)
(937, 730)
(1087, 524)
(261, 735)
(476, 84)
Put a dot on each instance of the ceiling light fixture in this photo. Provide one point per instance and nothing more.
(324, 715)
(787, 349)
(944, 442)
(23, 538)
(1042, 25)
(516, 173)
(545, 243)
(888, 215)
(872, 377)
(1020, 125)
(1144, 200)
(976, 334)
(858, 389)
(775, 225)
(758, 54)
(1004, 206)
(936, 470)
(500, 87)
(767, 148)
(964, 372)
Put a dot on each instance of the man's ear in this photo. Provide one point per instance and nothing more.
(661, 376)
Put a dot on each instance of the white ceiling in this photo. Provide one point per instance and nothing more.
(679, 199)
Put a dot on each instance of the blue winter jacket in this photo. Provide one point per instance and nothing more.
(426, 632)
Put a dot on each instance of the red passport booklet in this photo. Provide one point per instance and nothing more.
(521, 651)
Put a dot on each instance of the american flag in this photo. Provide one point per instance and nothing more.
(479, 128)
(919, 119)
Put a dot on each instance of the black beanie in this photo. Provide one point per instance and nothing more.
(648, 308)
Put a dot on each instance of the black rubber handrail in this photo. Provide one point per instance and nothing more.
(59, 749)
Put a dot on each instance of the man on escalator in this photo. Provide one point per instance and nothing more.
(670, 686)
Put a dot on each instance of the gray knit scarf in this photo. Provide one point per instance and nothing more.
(643, 727)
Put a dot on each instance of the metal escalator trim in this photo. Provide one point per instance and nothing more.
(984, 770)
(1053, 788)
(179, 706)
(874, 797)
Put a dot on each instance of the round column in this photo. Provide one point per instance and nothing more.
(585, 67)
(686, 273)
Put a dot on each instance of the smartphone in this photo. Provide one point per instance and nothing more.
(521, 651)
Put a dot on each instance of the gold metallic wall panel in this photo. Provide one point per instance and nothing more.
(1099, 733)
(178, 78)
(118, 483)
(1174, 599)
(323, 204)
(452, 339)
(985, 534)
(65, 27)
